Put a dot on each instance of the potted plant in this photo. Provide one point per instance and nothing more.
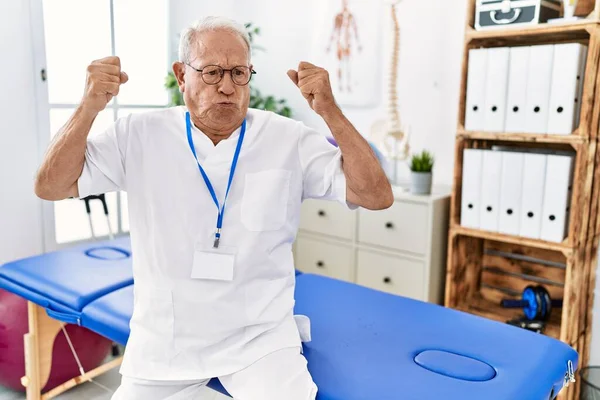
(421, 166)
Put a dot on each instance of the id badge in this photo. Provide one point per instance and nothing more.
(213, 263)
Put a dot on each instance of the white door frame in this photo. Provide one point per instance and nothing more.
(42, 114)
(42, 117)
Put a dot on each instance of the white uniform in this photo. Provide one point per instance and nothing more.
(195, 328)
(277, 376)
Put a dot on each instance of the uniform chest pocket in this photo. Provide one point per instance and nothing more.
(265, 200)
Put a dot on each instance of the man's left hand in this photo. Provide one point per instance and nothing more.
(314, 84)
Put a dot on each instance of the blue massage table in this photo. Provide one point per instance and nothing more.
(365, 344)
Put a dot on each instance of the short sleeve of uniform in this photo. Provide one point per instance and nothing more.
(104, 166)
(322, 173)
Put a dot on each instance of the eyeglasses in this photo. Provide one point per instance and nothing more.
(213, 74)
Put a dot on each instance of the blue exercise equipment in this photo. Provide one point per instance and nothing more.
(536, 303)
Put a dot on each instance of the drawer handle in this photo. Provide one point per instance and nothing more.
(321, 213)
(387, 279)
(389, 225)
(320, 264)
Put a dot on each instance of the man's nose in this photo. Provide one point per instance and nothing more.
(226, 86)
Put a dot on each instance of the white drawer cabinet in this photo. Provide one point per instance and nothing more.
(404, 226)
(390, 273)
(319, 257)
(400, 250)
(328, 218)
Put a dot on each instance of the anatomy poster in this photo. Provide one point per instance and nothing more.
(348, 43)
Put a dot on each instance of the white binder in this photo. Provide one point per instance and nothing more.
(511, 187)
(564, 92)
(580, 80)
(475, 94)
(490, 190)
(539, 78)
(471, 188)
(516, 96)
(557, 195)
(496, 86)
(534, 172)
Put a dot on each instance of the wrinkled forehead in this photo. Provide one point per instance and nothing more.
(220, 47)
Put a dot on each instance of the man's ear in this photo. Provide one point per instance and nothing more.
(179, 71)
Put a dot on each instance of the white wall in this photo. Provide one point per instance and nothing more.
(20, 209)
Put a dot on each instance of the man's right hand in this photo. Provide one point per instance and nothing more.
(104, 77)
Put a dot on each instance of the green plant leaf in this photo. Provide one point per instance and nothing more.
(422, 162)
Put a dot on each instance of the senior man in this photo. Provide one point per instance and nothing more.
(214, 191)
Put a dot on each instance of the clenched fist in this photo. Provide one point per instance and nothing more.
(104, 77)
(314, 84)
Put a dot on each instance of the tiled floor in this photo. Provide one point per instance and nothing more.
(90, 391)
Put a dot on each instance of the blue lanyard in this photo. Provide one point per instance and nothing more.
(220, 210)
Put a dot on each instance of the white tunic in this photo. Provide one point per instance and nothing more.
(184, 328)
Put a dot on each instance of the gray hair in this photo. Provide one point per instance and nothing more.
(188, 36)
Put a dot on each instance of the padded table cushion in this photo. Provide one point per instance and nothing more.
(65, 281)
(371, 345)
(109, 315)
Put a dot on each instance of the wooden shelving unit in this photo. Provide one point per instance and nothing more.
(487, 235)
(484, 267)
(574, 139)
(554, 32)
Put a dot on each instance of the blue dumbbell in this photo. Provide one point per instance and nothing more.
(536, 303)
